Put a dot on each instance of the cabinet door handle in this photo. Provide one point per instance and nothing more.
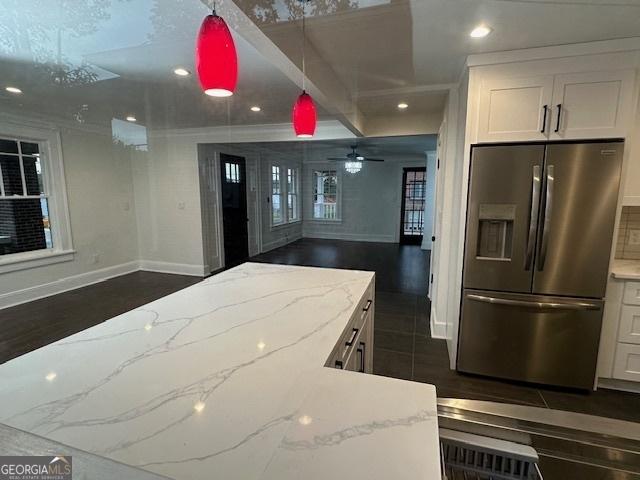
(544, 118)
(361, 351)
(354, 334)
(367, 306)
(559, 107)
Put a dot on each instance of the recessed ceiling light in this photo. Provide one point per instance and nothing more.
(199, 407)
(182, 72)
(480, 31)
(51, 376)
(402, 106)
(13, 90)
(255, 108)
(131, 118)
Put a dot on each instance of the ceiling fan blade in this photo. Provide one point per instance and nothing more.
(367, 159)
(337, 159)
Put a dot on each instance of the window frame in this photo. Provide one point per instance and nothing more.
(54, 185)
(326, 168)
(296, 183)
(279, 194)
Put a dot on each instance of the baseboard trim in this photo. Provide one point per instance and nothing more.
(66, 284)
(352, 237)
(175, 268)
(438, 330)
(281, 242)
(614, 384)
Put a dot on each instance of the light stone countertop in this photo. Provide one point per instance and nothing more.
(626, 269)
(226, 379)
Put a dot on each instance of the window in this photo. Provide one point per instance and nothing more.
(292, 195)
(24, 203)
(277, 217)
(325, 195)
(232, 173)
(35, 229)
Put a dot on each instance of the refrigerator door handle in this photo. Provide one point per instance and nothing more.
(533, 220)
(524, 303)
(548, 210)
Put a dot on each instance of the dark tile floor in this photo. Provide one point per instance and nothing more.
(32, 325)
(403, 347)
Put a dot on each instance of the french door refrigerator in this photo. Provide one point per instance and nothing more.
(539, 229)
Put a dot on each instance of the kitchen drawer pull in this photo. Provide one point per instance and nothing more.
(354, 334)
(361, 351)
(367, 306)
(525, 303)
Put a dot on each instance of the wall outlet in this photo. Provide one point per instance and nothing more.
(95, 258)
(634, 237)
(126, 206)
(180, 205)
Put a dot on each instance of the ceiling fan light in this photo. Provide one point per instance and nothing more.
(353, 167)
(216, 58)
(304, 116)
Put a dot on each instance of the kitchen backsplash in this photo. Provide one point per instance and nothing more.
(628, 242)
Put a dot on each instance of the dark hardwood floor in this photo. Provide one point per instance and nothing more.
(403, 345)
(32, 325)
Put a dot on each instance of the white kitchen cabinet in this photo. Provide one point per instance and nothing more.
(354, 350)
(631, 294)
(627, 362)
(591, 105)
(556, 107)
(629, 331)
(515, 109)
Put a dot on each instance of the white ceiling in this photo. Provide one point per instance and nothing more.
(127, 51)
(400, 148)
(380, 52)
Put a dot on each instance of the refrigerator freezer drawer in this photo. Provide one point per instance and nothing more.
(532, 338)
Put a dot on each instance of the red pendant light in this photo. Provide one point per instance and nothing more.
(304, 116)
(216, 58)
(304, 110)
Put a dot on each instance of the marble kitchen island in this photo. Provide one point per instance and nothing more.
(227, 379)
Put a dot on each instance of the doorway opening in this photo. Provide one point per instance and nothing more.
(414, 181)
(233, 175)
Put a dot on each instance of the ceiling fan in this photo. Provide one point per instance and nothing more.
(353, 160)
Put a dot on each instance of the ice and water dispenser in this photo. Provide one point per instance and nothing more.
(495, 231)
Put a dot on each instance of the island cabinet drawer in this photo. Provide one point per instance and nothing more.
(629, 331)
(627, 362)
(631, 293)
(356, 333)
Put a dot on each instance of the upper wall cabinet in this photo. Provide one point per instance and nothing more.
(556, 107)
(515, 109)
(591, 105)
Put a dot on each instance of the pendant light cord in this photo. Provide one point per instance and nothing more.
(304, 41)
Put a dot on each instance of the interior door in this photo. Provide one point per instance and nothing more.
(577, 215)
(234, 209)
(414, 182)
(502, 214)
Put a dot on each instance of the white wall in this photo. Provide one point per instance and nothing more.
(370, 201)
(102, 214)
(167, 194)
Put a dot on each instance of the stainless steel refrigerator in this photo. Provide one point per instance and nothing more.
(539, 229)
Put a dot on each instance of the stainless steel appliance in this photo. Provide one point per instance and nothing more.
(540, 224)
